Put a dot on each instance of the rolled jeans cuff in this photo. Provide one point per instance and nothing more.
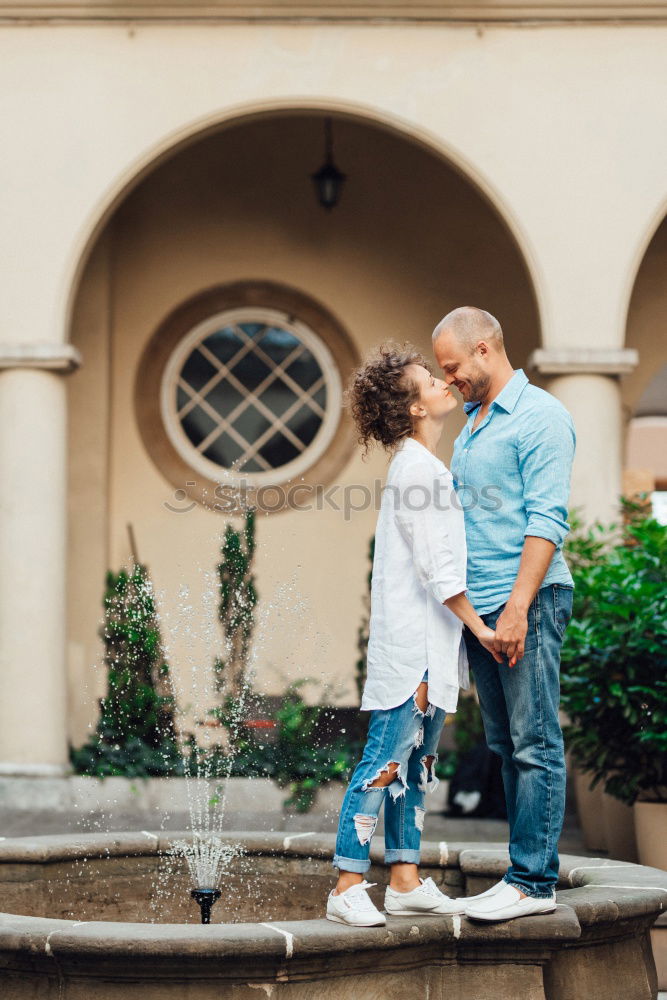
(351, 864)
(409, 857)
(529, 890)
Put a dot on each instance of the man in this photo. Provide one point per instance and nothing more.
(511, 467)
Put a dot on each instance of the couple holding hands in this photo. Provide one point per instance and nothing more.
(468, 569)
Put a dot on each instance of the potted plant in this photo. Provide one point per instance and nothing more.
(614, 676)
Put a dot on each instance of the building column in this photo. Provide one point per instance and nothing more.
(33, 497)
(585, 380)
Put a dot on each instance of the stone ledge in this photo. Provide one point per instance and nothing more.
(63, 358)
(583, 361)
(351, 10)
(594, 944)
(143, 795)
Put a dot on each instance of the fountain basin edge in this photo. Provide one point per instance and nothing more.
(595, 944)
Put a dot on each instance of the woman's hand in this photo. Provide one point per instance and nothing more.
(463, 609)
(487, 637)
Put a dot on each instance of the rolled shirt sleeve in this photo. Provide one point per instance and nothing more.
(422, 512)
(546, 451)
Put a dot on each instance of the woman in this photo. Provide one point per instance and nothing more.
(416, 657)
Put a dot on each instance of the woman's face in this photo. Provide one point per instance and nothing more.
(434, 395)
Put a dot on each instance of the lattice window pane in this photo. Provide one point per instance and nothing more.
(253, 330)
(198, 425)
(197, 371)
(251, 396)
(305, 424)
(278, 398)
(278, 451)
(320, 397)
(305, 370)
(182, 397)
(250, 371)
(224, 344)
(278, 344)
(224, 397)
(251, 423)
(224, 451)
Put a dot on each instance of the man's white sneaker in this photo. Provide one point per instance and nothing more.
(469, 900)
(355, 907)
(508, 903)
(424, 900)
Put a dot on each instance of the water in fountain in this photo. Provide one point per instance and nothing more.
(194, 688)
(207, 857)
(190, 630)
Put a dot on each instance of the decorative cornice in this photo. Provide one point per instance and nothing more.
(584, 361)
(325, 10)
(63, 358)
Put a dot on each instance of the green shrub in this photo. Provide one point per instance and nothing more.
(291, 754)
(135, 734)
(468, 725)
(238, 597)
(614, 657)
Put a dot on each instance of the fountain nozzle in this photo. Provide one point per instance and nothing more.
(206, 898)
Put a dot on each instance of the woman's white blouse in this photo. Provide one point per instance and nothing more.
(419, 562)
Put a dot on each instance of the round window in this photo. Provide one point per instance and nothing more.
(252, 391)
(241, 388)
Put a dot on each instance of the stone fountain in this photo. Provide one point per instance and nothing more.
(111, 917)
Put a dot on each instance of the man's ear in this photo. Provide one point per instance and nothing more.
(482, 348)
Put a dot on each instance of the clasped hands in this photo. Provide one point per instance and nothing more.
(508, 639)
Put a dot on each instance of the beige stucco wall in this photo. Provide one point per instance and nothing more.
(409, 240)
(561, 126)
(565, 125)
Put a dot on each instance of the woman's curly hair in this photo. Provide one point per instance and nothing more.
(380, 393)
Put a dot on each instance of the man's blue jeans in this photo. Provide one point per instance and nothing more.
(408, 737)
(520, 714)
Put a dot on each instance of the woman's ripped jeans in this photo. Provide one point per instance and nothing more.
(397, 768)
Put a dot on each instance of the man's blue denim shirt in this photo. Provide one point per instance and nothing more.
(512, 477)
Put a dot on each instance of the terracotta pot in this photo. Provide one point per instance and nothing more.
(659, 944)
(651, 830)
(619, 825)
(590, 811)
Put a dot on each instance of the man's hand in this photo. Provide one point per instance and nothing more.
(512, 626)
(511, 629)
(487, 637)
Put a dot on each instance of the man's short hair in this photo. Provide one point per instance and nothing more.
(470, 325)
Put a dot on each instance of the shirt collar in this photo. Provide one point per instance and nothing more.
(411, 444)
(508, 396)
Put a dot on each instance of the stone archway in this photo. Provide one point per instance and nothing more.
(195, 131)
(419, 230)
(644, 392)
(411, 238)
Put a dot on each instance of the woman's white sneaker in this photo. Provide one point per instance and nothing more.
(424, 900)
(508, 904)
(355, 907)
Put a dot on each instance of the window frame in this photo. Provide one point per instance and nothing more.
(331, 414)
(211, 485)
